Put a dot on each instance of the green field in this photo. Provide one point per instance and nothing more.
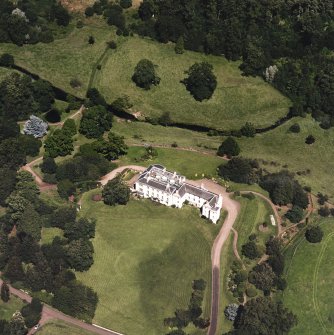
(58, 327)
(7, 309)
(67, 58)
(237, 99)
(146, 256)
(191, 164)
(289, 149)
(310, 277)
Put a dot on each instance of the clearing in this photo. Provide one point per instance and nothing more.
(146, 256)
(58, 327)
(310, 277)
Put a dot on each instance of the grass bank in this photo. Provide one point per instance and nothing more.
(146, 256)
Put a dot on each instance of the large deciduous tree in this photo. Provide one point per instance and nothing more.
(144, 75)
(116, 192)
(229, 148)
(201, 81)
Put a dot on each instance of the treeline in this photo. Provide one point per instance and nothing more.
(28, 21)
(289, 43)
(25, 262)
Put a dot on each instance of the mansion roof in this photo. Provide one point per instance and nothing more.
(157, 177)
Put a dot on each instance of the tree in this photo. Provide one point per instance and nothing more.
(30, 144)
(262, 277)
(125, 3)
(62, 216)
(295, 214)
(58, 144)
(6, 60)
(32, 312)
(66, 188)
(310, 139)
(116, 192)
(53, 115)
(240, 170)
(201, 81)
(231, 311)
(89, 11)
(144, 75)
(179, 46)
(262, 316)
(229, 148)
(146, 10)
(250, 250)
(17, 325)
(248, 130)
(91, 39)
(314, 234)
(295, 128)
(95, 97)
(7, 183)
(69, 127)
(83, 228)
(80, 254)
(112, 149)
(43, 95)
(35, 127)
(48, 165)
(30, 223)
(95, 121)
(5, 293)
(14, 270)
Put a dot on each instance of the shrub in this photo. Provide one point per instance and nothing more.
(80, 24)
(250, 250)
(310, 139)
(314, 234)
(324, 211)
(295, 128)
(53, 115)
(251, 292)
(248, 130)
(112, 44)
(91, 39)
(229, 148)
(75, 83)
(6, 60)
(125, 3)
(295, 214)
(89, 11)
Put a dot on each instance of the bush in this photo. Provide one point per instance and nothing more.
(249, 196)
(295, 214)
(65, 188)
(6, 60)
(89, 11)
(125, 3)
(229, 148)
(112, 45)
(248, 130)
(324, 211)
(314, 234)
(295, 128)
(251, 292)
(75, 83)
(250, 250)
(80, 24)
(53, 116)
(310, 139)
(91, 40)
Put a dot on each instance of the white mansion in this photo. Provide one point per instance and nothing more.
(170, 189)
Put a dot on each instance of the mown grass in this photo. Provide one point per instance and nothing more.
(236, 100)
(146, 256)
(310, 278)
(191, 164)
(59, 327)
(48, 234)
(67, 58)
(286, 148)
(7, 309)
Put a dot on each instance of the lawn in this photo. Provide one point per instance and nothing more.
(7, 309)
(310, 277)
(237, 99)
(286, 148)
(48, 234)
(191, 164)
(59, 327)
(67, 58)
(146, 256)
(142, 132)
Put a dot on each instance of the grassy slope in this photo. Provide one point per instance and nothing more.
(310, 278)
(9, 308)
(66, 58)
(284, 147)
(52, 328)
(146, 256)
(184, 162)
(236, 100)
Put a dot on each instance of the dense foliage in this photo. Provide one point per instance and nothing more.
(144, 75)
(314, 234)
(29, 21)
(229, 147)
(116, 192)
